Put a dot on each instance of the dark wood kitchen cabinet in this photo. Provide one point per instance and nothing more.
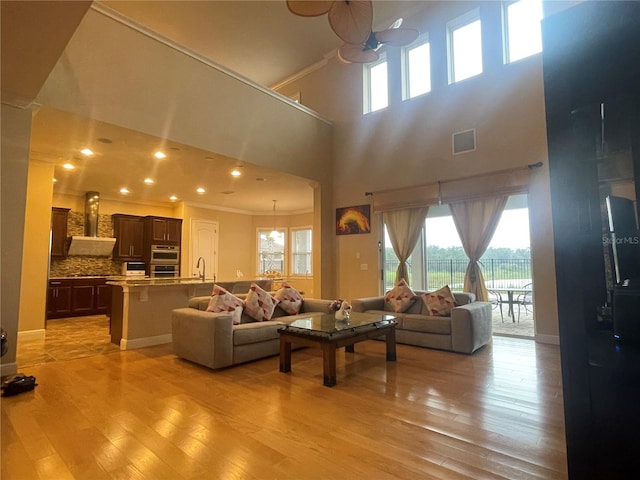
(90, 296)
(103, 299)
(59, 218)
(129, 233)
(59, 298)
(76, 297)
(162, 231)
(82, 297)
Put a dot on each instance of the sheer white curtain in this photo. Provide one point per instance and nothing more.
(476, 222)
(404, 228)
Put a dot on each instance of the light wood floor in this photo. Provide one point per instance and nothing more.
(145, 414)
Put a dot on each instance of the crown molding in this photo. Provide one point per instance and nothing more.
(304, 72)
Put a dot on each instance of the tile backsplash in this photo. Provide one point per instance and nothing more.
(85, 265)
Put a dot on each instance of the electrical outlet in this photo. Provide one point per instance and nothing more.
(364, 266)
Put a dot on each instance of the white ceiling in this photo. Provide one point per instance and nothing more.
(260, 40)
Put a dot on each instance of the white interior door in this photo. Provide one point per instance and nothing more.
(204, 243)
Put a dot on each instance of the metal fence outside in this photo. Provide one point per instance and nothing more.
(498, 273)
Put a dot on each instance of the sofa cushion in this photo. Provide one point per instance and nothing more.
(290, 299)
(223, 301)
(427, 324)
(400, 297)
(259, 303)
(439, 303)
(256, 332)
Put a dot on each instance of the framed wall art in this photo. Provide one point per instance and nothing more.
(353, 220)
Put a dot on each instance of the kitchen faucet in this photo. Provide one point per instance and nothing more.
(202, 276)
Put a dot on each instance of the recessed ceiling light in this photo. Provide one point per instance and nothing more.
(236, 172)
(174, 148)
(86, 152)
(124, 191)
(261, 179)
(159, 155)
(55, 180)
(200, 190)
(227, 192)
(105, 140)
(68, 166)
(173, 198)
(149, 181)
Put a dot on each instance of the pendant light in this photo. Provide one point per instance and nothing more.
(274, 233)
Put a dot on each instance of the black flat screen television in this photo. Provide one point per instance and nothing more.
(625, 238)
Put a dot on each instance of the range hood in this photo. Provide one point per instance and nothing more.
(90, 243)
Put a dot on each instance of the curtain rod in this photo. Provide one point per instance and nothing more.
(531, 166)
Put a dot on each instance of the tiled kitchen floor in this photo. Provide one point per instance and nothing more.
(67, 338)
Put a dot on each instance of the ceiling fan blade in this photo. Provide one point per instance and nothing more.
(352, 53)
(397, 37)
(308, 8)
(351, 20)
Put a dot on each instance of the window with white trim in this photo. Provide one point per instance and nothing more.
(271, 251)
(464, 45)
(376, 85)
(521, 29)
(301, 251)
(416, 68)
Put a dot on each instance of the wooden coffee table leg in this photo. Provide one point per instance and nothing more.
(329, 363)
(391, 345)
(285, 355)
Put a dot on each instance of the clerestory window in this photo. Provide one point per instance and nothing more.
(521, 29)
(464, 43)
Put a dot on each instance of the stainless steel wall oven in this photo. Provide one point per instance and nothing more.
(165, 255)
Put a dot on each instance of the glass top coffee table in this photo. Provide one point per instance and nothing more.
(328, 333)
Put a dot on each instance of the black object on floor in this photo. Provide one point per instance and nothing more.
(18, 383)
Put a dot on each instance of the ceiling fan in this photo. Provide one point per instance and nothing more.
(352, 21)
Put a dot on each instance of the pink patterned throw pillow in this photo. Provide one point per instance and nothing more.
(223, 301)
(440, 302)
(290, 299)
(259, 304)
(400, 297)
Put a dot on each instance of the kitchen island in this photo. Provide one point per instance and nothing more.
(141, 307)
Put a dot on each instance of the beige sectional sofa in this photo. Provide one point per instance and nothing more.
(212, 340)
(468, 328)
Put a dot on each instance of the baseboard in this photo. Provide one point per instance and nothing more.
(145, 342)
(29, 335)
(8, 369)
(549, 339)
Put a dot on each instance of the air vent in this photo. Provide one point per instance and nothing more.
(464, 141)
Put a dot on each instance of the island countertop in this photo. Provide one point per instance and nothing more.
(146, 281)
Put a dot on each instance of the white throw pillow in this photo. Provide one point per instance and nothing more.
(290, 299)
(223, 301)
(401, 297)
(259, 304)
(439, 303)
